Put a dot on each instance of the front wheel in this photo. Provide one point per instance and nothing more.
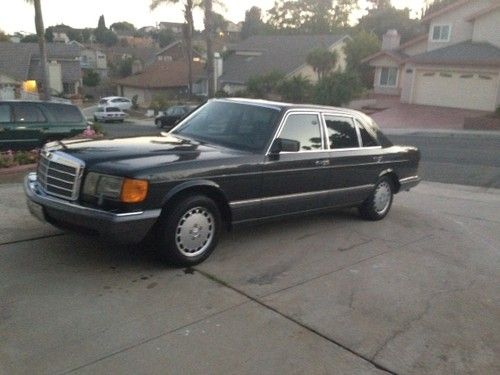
(189, 231)
(378, 204)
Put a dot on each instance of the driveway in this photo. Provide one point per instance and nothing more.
(415, 293)
(397, 115)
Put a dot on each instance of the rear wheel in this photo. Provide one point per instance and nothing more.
(378, 204)
(188, 234)
(96, 119)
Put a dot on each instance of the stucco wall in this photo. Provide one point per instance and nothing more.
(407, 76)
(415, 49)
(55, 76)
(487, 28)
(461, 30)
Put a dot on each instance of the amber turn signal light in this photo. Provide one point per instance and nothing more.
(134, 191)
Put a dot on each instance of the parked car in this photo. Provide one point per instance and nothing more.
(171, 116)
(231, 161)
(29, 124)
(109, 114)
(116, 101)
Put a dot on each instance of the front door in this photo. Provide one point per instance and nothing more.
(296, 181)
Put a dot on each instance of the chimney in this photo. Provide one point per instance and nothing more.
(391, 40)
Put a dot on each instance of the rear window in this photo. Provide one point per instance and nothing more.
(28, 113)
(103, 101)
(65, 113)
(112, 109)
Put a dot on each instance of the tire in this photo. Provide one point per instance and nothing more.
(96, 119)
(379, 203)
(177, 244)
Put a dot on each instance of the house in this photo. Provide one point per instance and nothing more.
(455, 64)
(141, 56)
(175, 27)
(177, 51)
(92, 59)
(20, 69)
(162, 78)
(261, 54)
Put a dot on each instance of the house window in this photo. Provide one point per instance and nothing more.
(388, 77)
(441, 33)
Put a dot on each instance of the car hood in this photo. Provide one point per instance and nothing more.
(129, 155)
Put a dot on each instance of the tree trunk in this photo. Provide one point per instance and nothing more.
(210, 51)
(40, 32)
(189, 45)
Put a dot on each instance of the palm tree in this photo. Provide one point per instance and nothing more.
(40, 32)
(322, 61)
(188, 34)
(210, 51)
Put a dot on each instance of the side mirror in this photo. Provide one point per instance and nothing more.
(284, 145)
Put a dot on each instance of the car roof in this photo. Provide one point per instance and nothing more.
(113, 97)
(34, 102)
(287, 106)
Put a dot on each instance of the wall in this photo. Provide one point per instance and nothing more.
(55, 76)
(461, 30)
(487, 28)
(417, 48)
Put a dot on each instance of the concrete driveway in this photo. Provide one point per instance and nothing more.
(416, 293)
(397, 115)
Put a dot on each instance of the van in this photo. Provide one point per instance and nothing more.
(26, 125)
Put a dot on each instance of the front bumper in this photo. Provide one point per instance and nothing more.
(408, 183)
(125, 227)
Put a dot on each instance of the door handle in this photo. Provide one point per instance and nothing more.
(322, 163)
(378, 159)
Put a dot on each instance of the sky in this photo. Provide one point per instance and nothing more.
(19, 16)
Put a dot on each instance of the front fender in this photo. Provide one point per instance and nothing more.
(189, 185)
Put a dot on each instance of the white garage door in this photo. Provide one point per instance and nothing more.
(456, 89)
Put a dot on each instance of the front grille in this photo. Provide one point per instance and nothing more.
(59, 174)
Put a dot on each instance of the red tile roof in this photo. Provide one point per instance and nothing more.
(163, 74)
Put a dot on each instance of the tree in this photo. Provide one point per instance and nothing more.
(31, 38)
(40, 32)
(123, 26)
(210, 52)
(311, 16)
(253, 24)
(361, 45)
(188, 34)
(378, 21)
(165, 37)
(435, 5)
(322, 61)
(296, 89)
(103, 34)
(337, 89)
(264, 85)
(91, 78)
(4, 37)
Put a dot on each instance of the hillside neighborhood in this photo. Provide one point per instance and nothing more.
(250, 187)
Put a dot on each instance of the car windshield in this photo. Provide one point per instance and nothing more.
(234, 125)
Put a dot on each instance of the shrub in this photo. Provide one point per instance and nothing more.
(265, 85)
(296, 89)
(337, 89)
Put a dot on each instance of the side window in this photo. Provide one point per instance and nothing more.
(28, 113)
(5, 113)
(367, 138)
(64, 112)
(305, 129)
(341, 132)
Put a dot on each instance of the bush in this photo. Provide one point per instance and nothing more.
(91, 78)
(265, 85)
(14, 158)
(135, 105)
(337, 89)
(296, 89)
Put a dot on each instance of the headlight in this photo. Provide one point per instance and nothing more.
(103, 185)
(126, 190)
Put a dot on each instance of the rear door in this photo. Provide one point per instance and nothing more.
(65, 120)
(29, 123)
(353, 167)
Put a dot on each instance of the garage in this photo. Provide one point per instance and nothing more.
(469, 90)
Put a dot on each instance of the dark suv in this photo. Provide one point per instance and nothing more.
(30, 124)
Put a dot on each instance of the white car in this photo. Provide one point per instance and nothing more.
(116, 101)
(106, 114)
